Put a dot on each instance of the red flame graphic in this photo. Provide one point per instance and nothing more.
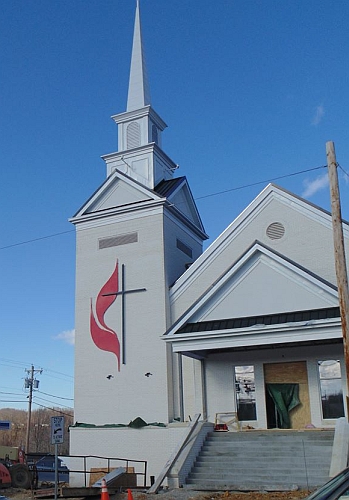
(104, 337)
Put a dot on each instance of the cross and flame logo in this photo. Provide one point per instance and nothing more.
(102, 335)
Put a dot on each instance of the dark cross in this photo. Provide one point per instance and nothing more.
(123, 292)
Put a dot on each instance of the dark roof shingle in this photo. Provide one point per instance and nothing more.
(268, 319)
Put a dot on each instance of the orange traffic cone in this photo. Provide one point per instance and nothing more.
(105, 494)
(129, 494)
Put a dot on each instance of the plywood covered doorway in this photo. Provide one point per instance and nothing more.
(289, 373)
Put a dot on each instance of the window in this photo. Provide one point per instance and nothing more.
(331, 388)
(245, 392)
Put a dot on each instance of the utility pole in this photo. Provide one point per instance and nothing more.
(339, 255)
(30, 383)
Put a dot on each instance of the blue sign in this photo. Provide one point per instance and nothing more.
(5, 425)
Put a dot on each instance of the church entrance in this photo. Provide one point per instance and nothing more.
(287, 395)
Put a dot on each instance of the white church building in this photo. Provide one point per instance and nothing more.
(249, 327)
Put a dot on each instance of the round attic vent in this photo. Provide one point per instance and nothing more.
(275, 230)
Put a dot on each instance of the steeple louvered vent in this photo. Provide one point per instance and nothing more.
(133, 135)
(115, 241)
(184, 248)
(275, 231)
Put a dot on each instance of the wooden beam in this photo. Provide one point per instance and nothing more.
(339, 253)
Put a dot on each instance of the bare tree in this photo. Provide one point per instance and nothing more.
(40, 432)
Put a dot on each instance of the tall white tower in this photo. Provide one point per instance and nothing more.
(140, 127)
(135, 236)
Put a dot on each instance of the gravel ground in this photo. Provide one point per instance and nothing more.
(177, 494)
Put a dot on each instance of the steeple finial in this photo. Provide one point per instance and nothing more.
(138, 89)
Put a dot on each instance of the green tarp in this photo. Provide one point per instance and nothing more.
(285, 397)
(137, 423)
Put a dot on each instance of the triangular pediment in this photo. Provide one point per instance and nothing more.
(260, 283)
(119, 193)
(287, 224)
(118, 190)
(182, 198)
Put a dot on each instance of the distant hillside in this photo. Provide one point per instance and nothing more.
(40, 429)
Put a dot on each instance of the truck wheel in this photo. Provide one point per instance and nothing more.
(20, 476)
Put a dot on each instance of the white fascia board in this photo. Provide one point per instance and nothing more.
(305, 207)
(257, 247)
(186, 226)
(190, 200)
(133, 183)
(151, 195)
(241, 221)
(152, 147)
(177, 216)
(129, 116)
(218, 245)
(117, 215)
(256, 335)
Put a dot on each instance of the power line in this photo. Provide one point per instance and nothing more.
(53, 409)
(292, 174)
(48, 371)
(11, 401)
(48, 401)
(342, 169)
(11, 393)
(37, 239)
(260, 182)
(18, 364)
(12, 363)
(53, 396)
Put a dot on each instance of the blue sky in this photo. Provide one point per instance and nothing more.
(250, 90)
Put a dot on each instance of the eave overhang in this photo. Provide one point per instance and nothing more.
(129, 116)
(117, 211)
(151, 198)
(151, 147)
(257, 335)
(185, 220)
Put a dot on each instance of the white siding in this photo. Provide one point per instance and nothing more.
(307, 241)
(220, 378)
(129, 394)
(132, 444)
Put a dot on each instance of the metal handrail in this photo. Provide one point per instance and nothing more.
(109, 460)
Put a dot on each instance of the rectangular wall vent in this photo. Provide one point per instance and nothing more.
(115, 241)
(184, 248)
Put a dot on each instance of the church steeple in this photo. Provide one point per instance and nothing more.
(140, 153)
(138, 90)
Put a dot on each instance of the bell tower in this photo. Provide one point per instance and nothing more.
(139, 129)
(134, 237)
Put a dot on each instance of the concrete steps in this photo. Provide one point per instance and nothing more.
(262, 460)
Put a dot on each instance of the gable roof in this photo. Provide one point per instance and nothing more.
(256, 337)
(121, 192)
(178, 193)
(269, 319)
(260, 282)
(166, 187)
(117, 190)
(306, 240)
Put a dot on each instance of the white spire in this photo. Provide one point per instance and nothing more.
(138, 89)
